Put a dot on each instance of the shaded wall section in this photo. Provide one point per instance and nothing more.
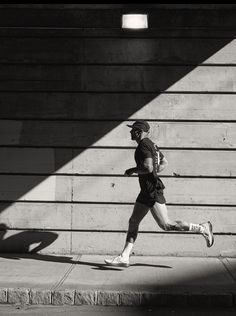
(70, 80)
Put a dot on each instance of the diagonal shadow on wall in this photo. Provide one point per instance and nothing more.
(79, 120)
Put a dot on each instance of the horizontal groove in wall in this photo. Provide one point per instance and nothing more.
(116, 33)
(59, 119)
(114, 203)
(113, 231)
(121, 121)
(110, 203)
(87, 64)
(153, 94)
(118, 91)
(109, 175)
(116, 147)
(96, 35)
(123, 64)
(100, 6)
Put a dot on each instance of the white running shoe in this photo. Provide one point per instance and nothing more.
(208, 233)
(118, 261)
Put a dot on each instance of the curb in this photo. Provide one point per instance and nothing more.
(24, 296)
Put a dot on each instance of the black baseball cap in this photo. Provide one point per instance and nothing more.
(141, 125)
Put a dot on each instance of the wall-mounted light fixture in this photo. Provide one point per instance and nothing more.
(134, 21)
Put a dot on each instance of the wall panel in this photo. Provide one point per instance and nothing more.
(113, 161)
(178, 190)
(180, 162)
(121, 51)
(115, 133)
(97, 106)
(113, 189)
(122, 78)
(106, 217)
(35, 188)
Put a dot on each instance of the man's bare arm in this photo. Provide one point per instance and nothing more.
(146, 168)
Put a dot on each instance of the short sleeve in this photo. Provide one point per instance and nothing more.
(145, 150)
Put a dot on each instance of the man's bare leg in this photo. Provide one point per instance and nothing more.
(160, 214)
(139, 212)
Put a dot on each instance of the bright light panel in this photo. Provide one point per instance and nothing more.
(134, 21)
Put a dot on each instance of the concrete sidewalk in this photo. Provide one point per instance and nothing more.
(85, 279)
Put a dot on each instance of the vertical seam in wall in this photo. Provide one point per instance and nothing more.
(71, 215)
(72, 197)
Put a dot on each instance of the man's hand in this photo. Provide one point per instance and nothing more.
(163, 165)
(129, 172)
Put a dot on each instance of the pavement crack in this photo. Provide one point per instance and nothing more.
(66, 274)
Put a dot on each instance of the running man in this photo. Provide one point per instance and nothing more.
(149, 162)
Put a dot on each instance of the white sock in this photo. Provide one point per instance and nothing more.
(127, 250)
(196, 228)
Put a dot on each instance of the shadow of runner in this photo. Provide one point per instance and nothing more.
(103, 266)
(18, 246)
(21, 242)
(98, 266)
(150, 265)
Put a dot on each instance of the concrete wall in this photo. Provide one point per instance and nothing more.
(70, 80)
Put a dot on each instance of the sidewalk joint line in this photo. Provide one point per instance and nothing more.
(227, 269)
(64, 277)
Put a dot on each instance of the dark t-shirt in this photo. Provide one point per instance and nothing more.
(148, 149)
